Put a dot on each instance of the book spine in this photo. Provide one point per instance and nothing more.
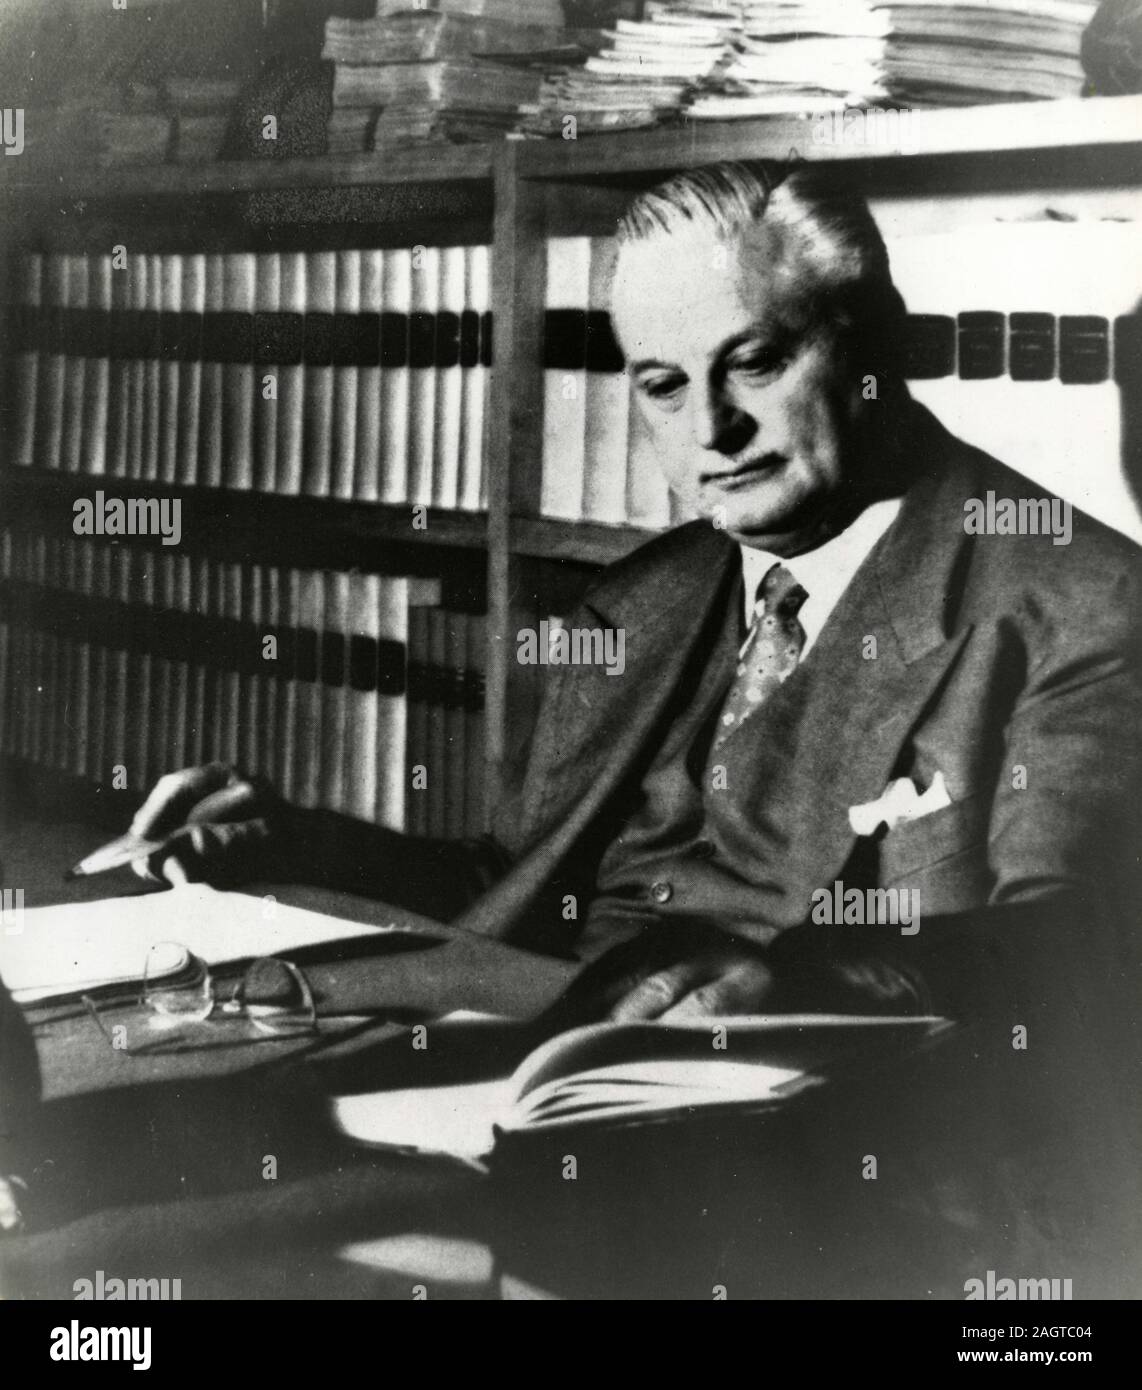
(52, 729)
(240, 273)
(367, 475)
(27, 368)
(249, 661)
(455, 723)
(423, 372)
(475, 376)
(231, 727)
(449, 379)
(119, 373)
(5, 638)
(291, 377)
(115, 725)
(158, 713)
(75, 365)
(210, 440)
(395, 376)
(345, 373)
(267, 306)
(267, 656)
(141, 685)
(53, 363)
(394, 610)
(608, 400)
(81, 581)
(170, 327)
(97, 371)
(137, 367)
(205, 703)
(437, 723)
(335, 711)
(321, 295)
(192, 296)
(183, 686)
(309, 702)
(418, 754)
(565, 377)
(365, 756)
(285, 616)
(151, 442)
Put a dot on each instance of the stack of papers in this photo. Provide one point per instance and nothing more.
(794, 56)
(639, 73)
(985, 50)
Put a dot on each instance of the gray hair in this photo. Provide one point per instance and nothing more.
(826, 239)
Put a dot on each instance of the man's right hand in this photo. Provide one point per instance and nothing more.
(215, 826)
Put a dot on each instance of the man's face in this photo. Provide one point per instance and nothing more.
(754, 417)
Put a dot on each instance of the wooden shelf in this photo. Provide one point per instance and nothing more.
(264, 527)
(417, 164)
(1009, 127)
(1012, 127)
(584, 542)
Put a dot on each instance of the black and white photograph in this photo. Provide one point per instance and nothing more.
(571, 660)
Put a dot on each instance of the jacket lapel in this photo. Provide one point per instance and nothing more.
(830, 737)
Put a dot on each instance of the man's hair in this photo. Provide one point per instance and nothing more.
(825, 239)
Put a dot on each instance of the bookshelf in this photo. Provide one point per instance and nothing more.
(519, 193)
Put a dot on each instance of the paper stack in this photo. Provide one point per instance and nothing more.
(984, 50)
(639, 73)
(794, 56)
(415, 72)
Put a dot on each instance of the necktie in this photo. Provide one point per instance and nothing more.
(771, 650)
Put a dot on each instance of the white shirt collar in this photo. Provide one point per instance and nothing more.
(824, 573)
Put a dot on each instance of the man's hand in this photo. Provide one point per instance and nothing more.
(679, 971)
(214, 824)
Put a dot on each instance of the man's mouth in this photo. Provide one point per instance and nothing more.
(745, 473)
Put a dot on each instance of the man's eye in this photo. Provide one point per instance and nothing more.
(662, 388)
(758, 363)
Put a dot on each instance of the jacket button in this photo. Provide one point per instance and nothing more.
(662, 892)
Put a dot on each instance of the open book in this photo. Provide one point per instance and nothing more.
(618, 1074)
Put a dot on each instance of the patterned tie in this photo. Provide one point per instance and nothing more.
(770, 652)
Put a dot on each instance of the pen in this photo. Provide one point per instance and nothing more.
(123, 850)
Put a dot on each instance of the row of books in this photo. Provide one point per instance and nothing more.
(350, 374)
(354, 692)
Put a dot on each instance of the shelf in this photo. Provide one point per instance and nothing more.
(265, 527)
(583, 542)
(417, 164)
(1011, 127)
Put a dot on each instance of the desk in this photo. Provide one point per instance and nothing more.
(154, 1167)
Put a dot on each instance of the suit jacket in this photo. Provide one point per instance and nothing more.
(1008, 663)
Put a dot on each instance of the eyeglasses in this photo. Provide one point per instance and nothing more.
(178, 989)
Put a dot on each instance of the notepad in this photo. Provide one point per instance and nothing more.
(70, 949)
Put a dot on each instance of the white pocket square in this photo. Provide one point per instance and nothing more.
(899, 801)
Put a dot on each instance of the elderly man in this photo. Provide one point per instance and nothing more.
(831, 684)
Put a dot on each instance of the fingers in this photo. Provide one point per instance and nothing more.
(222, 805)
(11, 1217)
(205, 853)
(173, 796)
(654, 995)
(744, 988)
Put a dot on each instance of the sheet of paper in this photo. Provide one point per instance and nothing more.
(79, 946)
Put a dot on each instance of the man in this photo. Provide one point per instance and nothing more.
(822, 659)
(833, 688)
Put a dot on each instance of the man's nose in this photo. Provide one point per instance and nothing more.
(717, 423)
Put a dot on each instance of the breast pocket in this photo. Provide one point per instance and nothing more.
(915, 846)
